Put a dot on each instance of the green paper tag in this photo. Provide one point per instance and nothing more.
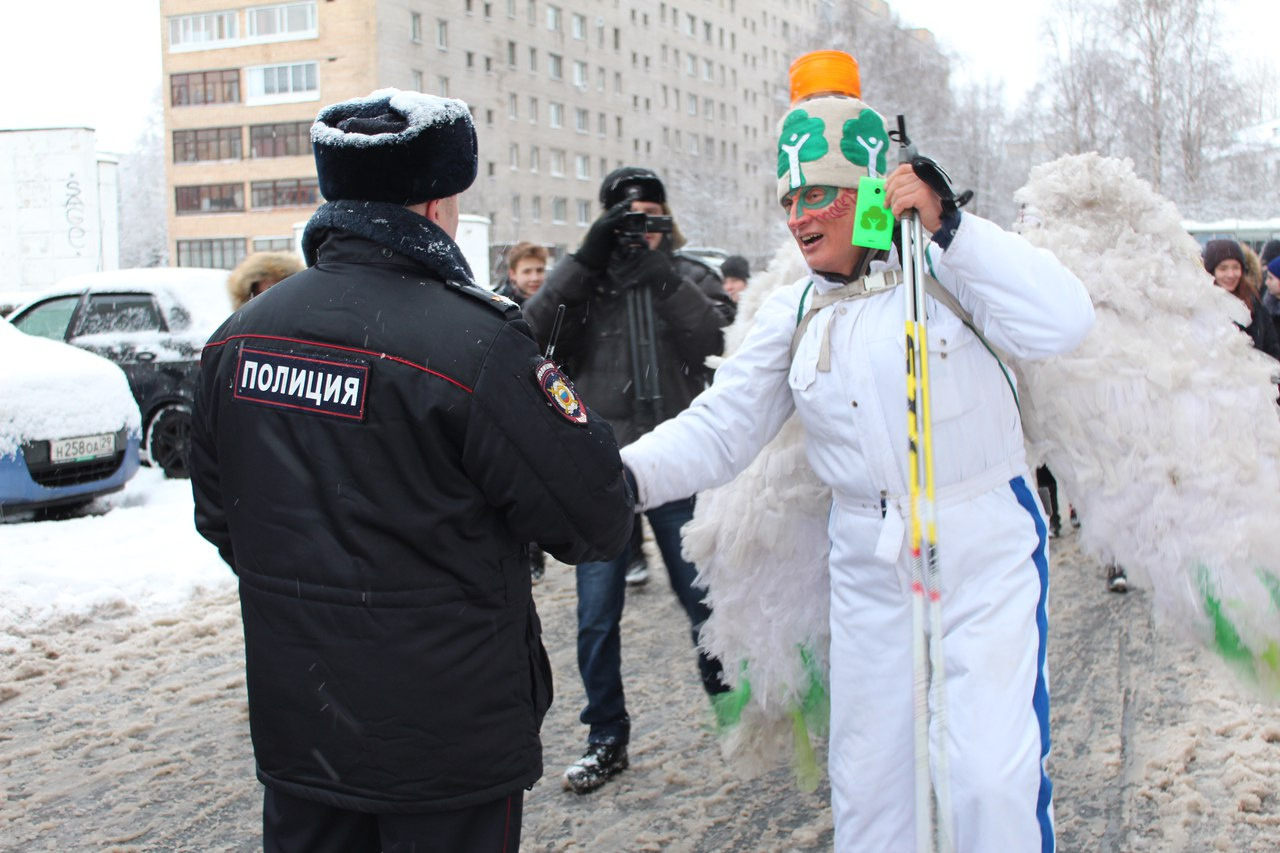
(872, 221)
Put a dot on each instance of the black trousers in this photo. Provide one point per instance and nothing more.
(294, 825)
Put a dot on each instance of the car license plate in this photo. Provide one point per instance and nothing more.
(85, 447)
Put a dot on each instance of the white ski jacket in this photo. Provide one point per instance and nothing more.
(1026, 304)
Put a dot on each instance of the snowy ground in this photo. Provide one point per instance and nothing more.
(122, 695)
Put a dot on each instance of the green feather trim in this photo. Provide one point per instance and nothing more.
(729, 706)
(805, 765)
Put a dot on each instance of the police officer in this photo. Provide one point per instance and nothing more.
(376, 440)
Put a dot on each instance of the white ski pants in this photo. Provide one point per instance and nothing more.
(994, 567)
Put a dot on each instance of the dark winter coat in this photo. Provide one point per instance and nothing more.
(371, 455)
(1262, 329)
(595, 342)
(507, 289)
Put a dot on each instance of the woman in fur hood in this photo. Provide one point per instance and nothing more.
(258, 272)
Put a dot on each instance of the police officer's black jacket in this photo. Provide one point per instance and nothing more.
(371, 454)
(596, 342)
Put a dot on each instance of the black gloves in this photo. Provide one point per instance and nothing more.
(598, 245)
(645, 268)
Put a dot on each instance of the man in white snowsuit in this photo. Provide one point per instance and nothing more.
(846, 380)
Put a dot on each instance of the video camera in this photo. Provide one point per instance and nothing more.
(636, 224)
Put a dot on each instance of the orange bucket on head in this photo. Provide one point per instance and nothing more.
(829, 72)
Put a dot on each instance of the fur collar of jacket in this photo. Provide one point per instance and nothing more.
(392, 227)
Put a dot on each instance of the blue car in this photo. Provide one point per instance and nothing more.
(69, 426)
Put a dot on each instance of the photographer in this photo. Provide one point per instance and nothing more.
(639, 323)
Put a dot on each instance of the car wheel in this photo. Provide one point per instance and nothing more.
(169, 441)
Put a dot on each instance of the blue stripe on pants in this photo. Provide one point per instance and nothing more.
(1040, 698)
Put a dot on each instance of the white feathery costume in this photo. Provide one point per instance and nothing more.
(1162, 426)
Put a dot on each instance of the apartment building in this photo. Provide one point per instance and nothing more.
(562, 92)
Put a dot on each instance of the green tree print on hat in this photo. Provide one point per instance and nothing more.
(801, 140)
(865, 142)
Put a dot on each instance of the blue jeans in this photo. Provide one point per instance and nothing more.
(601, 594)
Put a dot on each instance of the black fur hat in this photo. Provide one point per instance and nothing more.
(399, 147)
(634, 182)
(1217, 251)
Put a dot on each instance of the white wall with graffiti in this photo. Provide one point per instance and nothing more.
(58, 207)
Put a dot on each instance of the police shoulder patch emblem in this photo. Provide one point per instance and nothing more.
(559, 391)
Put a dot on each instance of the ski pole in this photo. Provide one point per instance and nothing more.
(929, 682)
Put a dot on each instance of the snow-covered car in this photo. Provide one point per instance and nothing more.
(69, 426)
(153, 324)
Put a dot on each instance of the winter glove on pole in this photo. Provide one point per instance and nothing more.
(601, 238)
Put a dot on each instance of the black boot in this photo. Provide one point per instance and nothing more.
(600, 763)
(1116, 580)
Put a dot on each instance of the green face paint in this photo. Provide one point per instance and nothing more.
(822, 203)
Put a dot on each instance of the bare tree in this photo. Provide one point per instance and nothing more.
(144, 228)
(1149, 80)
(1084, 88)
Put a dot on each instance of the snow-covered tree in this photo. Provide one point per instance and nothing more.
(144, 240)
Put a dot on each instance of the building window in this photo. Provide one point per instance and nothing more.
(557, 162)
(511, 54)
(515, 208)
(559, 210)
(555, 66)
(416, 81)
(533, 110)
(553, 18)
(533, 159)
(287, 192)
(286, 139)
(513, 154)
(280, 84)
(205, 87)
(582, 167)
(197, 32)
(442, 34)
(584, 212)
(415, 27)
(693, 104)
(535, 208)
(601, 124)
(209, 198)
(533, 59)
(273, 244)
(206, 143)
(442, 87)
(581, 74)
(513, 106)
(579, 26)
(222, 253)
(283, 21)
(581, 120)
(555, 114)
